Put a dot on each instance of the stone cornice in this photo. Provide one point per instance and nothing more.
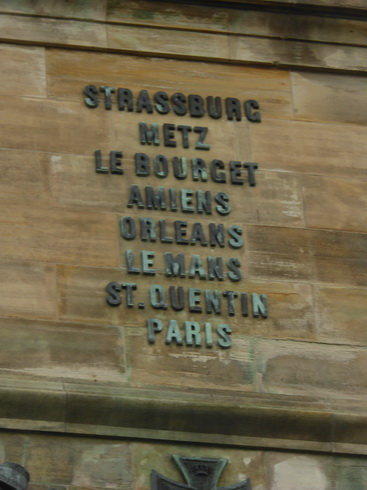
(256, 38)
(333, 7)
(242, 420)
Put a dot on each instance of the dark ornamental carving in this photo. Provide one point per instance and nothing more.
(199, 473)
(13, 477)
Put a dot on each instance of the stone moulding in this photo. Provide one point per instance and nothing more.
(245, 420)
(343, 5)
(310, 34)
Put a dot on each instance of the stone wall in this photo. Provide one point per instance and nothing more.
(87, 400)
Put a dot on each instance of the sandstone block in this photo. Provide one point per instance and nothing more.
(24, 70)
(43, 125)
(54, 235)
(27, 289)
(335, 203)
(329, 97)
(53, 350)
(326, 149)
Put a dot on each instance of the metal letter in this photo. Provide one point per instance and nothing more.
(147, 229)
(196, 267)
(135, 197)
(154, 326)
(99, 167)
(186, 200)
(194, 300)
(113, 298)
(107, 96)
(115, 162)
(157, 297)
(155, 200)
(168, 135)
(259, 305)
(214, 112)
(215, 268)
(224, 331)
(251, 167)
(180, 304)
(179, 166)
(175, 267)
(230, 295)
(192, 334)
(212, 301)
(129, 257)
(127, 228)
(147, 261)
(173, 333)
(254, 117)
(149, 136)
(142, 165)
(130, 287)
(160, 166)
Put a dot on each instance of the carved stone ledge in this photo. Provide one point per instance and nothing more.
(243, 420)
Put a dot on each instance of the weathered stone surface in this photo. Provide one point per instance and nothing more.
(37, 30)
(297, 368)
(339, 204)
(92, 9)
(38, 124)
(54, 235)
(356, 4)
(82, 295)
(288, 25)
(342, 314)
(167, 14)
(32, 408)
(52, 350)
(329, 97)
(84, 463)
(27, 289)
(350, 473)
(79, 463)
(75, 183)
(23, 177)
(158, 42)
(11, 447)
(326, 149)
(157, 366)
(23, 70)
(296, 53)
(291, 381)
(285, 253)
(309, 471)
(276, 199)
